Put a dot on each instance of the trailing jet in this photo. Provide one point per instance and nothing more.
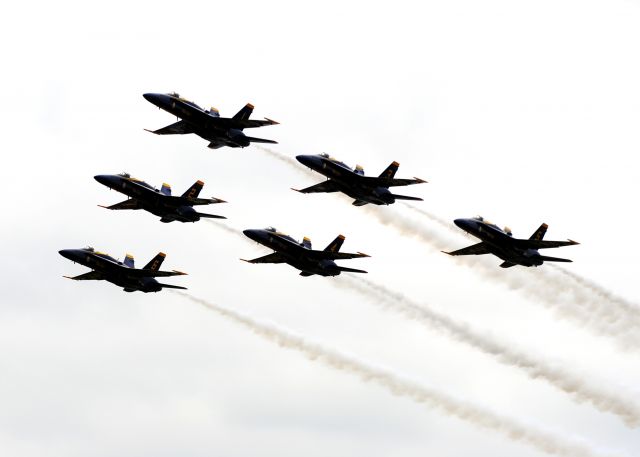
(123, 274)
(365, 189)
(501, 243)
(300, 255)
(158, 201)
(207, 124)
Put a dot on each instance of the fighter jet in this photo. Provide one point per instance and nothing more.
(158, 201)
(365, 189)
(122, 274)
(501, 243)
(300, 255)
(207, 124)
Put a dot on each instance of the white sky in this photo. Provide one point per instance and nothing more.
(525, 112)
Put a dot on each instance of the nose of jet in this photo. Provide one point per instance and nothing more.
(106, 180)
(70, 254)
(310, 161)
(464, 224)
(256, 235)
(156, 99)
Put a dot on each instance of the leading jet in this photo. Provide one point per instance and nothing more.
(502, 244)
(207, 124)
(122, 274)
(158, 201)
(300, 255)
(365, 189)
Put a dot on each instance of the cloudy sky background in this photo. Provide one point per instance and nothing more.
(522, 112)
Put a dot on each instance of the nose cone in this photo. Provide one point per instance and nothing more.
(255, 234)
(107, 180)
(310, 161)
(71, 254)
(157, 99)
(465, 224)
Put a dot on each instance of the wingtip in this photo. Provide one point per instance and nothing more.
(272, 121)
(180, 273)
(448, 253)
(68, 277)
(147, 130)
(420, 180)
(297, 190)
(245, 260)
(362, 254)
(573, 242)
(102, 206)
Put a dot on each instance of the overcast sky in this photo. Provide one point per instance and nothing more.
(524, 112)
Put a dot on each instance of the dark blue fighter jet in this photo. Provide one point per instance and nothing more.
(122, 274)
(501, 243)
(207, 124)
(365, 189)
(158, 201)
(300, 255)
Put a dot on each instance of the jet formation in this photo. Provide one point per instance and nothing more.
(122, 274)
(220, 132)
(364, 189)
(207, 124)
(159, 202)
(502, 244)
(300, 255)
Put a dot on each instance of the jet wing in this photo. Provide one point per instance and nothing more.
(130, 203)
(542, 244)
(92, 275)
(274, 257)
(391, 182)
(179, 128)
(325, 186)
(476, 249)
(241, 123)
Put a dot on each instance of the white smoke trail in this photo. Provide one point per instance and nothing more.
(227, 228)
(597, 289)
(293, 163)
(579, 389)
(542, 440)
(442, 222)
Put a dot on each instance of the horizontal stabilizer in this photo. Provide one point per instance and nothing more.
(260, 140)
(406, 197)
(553, 259)
(171, 286)
(210, 216)
(351, 270)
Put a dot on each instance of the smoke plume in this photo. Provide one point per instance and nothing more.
(517, 431)
(578, 388)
